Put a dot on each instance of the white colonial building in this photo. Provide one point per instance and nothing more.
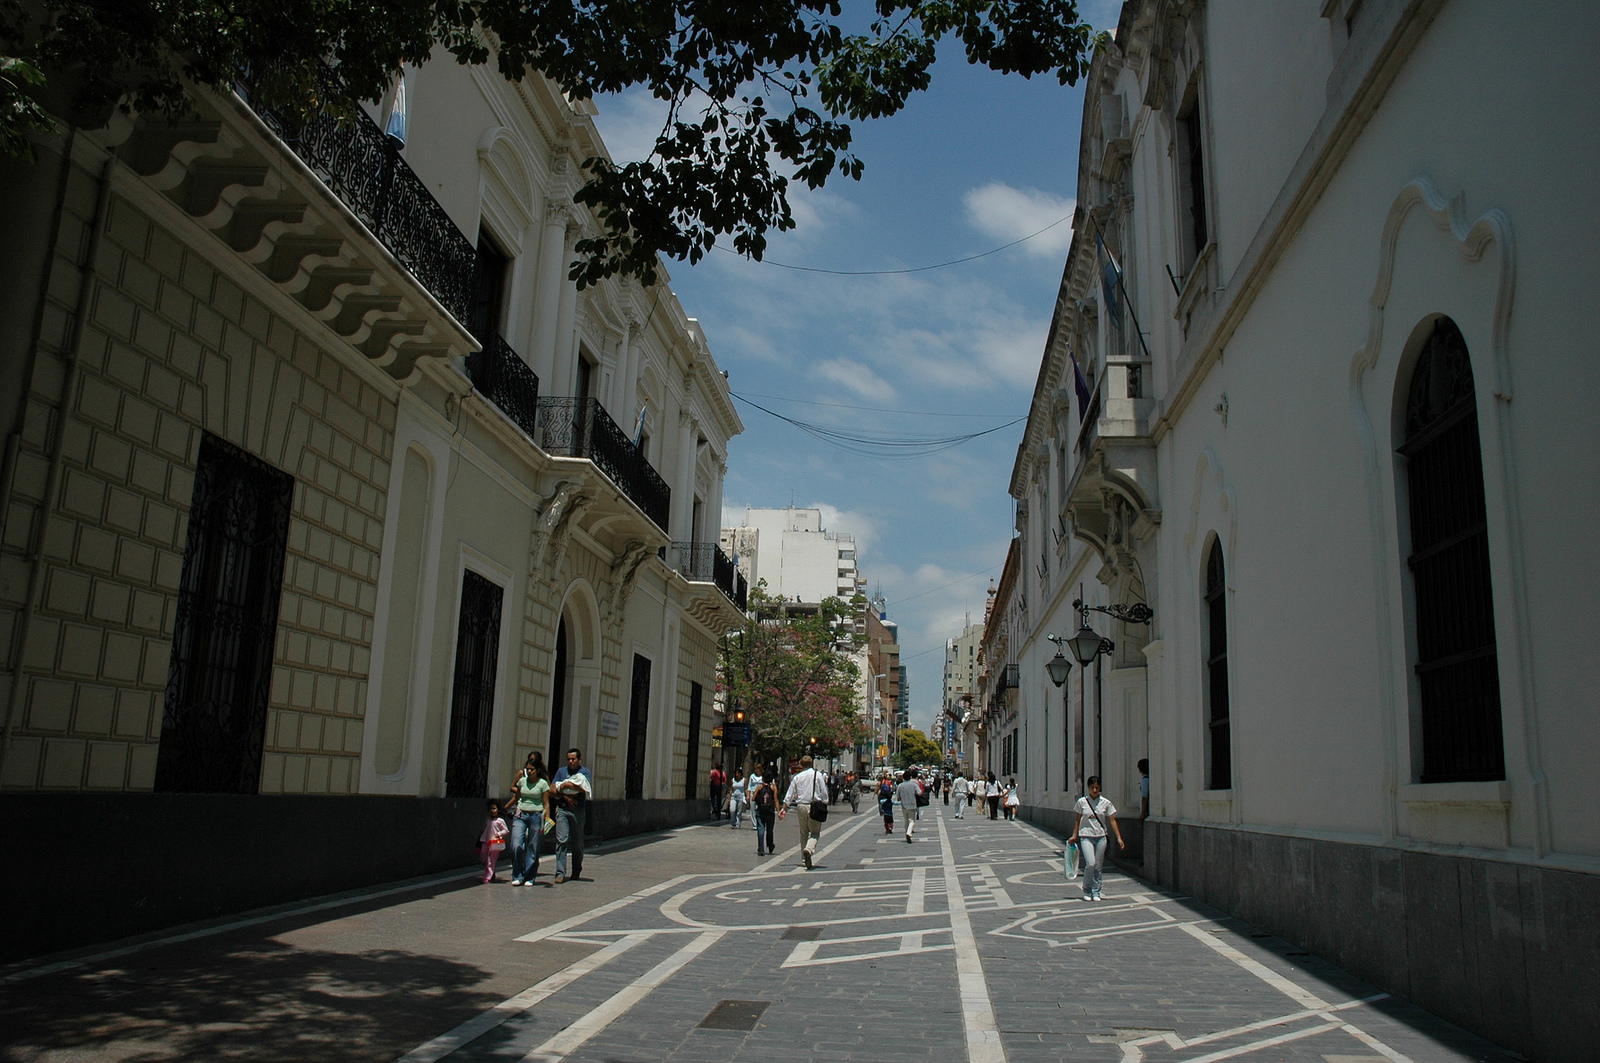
(322, 479)
(1329, 292)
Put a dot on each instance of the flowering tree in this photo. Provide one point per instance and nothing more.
(794, 676)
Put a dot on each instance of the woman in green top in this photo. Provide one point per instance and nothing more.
(531, 791)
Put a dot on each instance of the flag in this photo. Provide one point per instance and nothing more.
(1110, 281)
(639, 427)
(1079, 384)
(395, 127)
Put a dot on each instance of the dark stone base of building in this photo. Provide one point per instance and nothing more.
(1508, 951)
(81, 869)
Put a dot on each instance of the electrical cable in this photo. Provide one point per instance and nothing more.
(878, 445)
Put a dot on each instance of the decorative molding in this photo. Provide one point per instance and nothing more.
(1472, 240)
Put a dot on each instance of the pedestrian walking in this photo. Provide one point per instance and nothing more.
(944, 785)
(910, 792)
(1009, 801)
(572, 787)
(764, 808)
(963, 792)
(979, 795)
(1090, 836)
(992, 793)
(718, 779)
(492, 840)
(886, 802)
(736, 798)
(922, 797)
(530, 791)
(808, 792)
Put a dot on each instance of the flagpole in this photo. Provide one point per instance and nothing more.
(1137, 330)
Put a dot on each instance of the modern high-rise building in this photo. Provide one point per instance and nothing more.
(799, 559)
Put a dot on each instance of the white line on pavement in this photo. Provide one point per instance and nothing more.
(510, 1008)
(576, 1035)
(916, 896)
(1304, 997)
(977, 1011)
(621, 902)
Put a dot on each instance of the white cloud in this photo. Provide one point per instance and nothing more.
(629, 123)
(855, 376)
(1007, 213)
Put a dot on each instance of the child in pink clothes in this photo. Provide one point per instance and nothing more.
(492, 841)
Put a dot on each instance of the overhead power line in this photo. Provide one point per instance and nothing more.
(878, 444)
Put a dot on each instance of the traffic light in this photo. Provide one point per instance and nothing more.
(737, 716)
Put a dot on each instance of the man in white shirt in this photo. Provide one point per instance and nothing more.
(907, 791)
(807, 786)
(961, 788)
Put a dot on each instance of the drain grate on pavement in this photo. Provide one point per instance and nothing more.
(734, 1015)
(802, 933)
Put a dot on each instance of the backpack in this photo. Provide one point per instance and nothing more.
(764, 798)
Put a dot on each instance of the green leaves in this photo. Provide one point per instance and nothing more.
(760, 92)
(796, 677)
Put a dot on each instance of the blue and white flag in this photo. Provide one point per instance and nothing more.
(1110, 281)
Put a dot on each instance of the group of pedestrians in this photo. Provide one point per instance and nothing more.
(811, 791)
(539, 805)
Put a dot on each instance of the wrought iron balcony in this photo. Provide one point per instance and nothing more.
(366, 171)
(581, 428)
(505, 380)
(706, 563)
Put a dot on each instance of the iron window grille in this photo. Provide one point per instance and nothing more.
(472, 692)
(1458, 678)
(1221, 758)
(213, 726)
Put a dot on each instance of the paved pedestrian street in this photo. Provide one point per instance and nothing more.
(967, 944)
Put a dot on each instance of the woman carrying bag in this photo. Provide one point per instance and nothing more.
(1095, 815)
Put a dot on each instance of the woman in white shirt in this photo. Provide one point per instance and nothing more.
(1095, 815)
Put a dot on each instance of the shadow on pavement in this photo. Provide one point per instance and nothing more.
(260, 1000)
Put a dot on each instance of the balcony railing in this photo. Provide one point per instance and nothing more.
(706, 563)
(505, 380)
(581, 428)
(366, 171)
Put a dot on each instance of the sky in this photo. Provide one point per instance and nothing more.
(976, 162)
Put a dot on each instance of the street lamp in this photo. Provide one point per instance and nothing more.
(1087, 645)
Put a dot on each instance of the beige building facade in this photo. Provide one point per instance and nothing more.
(322, 479)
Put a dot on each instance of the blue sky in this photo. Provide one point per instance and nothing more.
(977, 161)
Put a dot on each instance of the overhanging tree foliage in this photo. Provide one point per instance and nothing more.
(759, 92)
(795, 677)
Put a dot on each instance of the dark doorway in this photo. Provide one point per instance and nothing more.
(638, 727)
(558, 699)
(472, 697)
(691, 783)
(488, 287)
(214, 722)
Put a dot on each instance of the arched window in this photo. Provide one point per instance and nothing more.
(1219, 761)
(1458, 680)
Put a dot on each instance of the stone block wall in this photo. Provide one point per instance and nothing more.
(173, 346)
(1509, 951)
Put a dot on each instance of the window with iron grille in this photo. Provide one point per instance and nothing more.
(213, 724)
(472, 690)
(1219, 762)
(697, 695)
(1458, 679)
(638, 729)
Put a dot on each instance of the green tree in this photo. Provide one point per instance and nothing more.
(795, 677)
(759, 93)
(916, 748)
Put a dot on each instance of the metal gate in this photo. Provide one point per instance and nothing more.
(472, 699)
